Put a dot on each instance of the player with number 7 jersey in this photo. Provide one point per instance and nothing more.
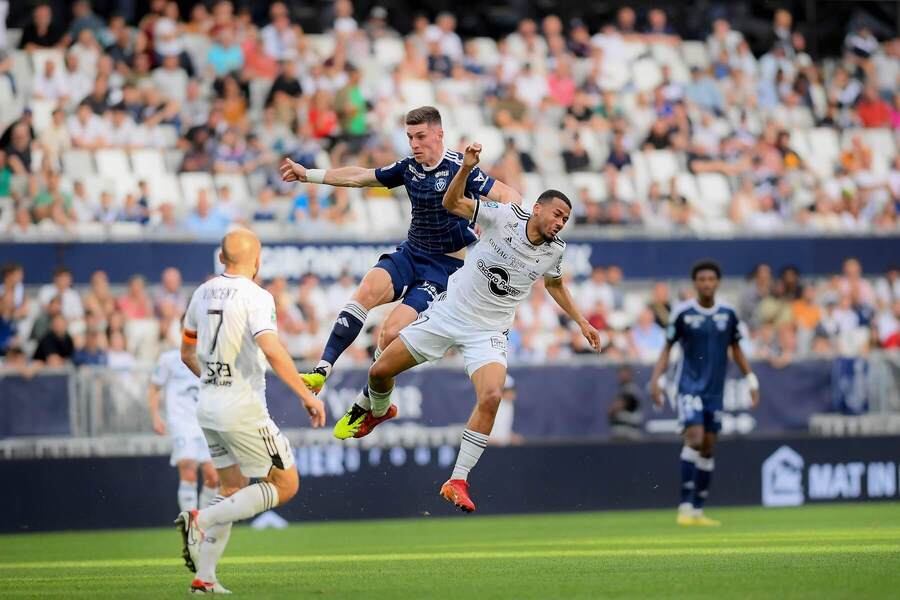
(230, 334)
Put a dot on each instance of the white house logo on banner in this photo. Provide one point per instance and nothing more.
(782, 478)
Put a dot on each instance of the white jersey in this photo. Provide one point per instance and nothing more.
(180, 388)
(501, 268)
(228, 312)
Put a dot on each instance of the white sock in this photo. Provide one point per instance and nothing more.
(381, 401)
(252, 500)
(324, 364)
(187, 495)
(206, 496)
(470, 450)
(364, 401)
(212, 547)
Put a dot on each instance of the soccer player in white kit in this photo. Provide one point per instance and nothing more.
(229, 334)
(515, 249)
(178, 387)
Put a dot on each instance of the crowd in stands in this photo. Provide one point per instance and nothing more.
(174, 124)
(785, 317)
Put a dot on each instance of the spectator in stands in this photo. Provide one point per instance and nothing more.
(703, 91)
(265, 210)
(72, 308)
(206, 221)
(99, 300)
(873, 110)
(854, 282)
(86, 129)
(647, 338)
(165, 222)
(135, 303)
(170, 79)
(93, 352)
(660, 304)
(43, 31)
(55, 347)
(50, 84)
(54, 204)
(12, 290)
(169, 291)
(83, 17)
(18, 152)
(887, 326)
(118, 356)
(225, 55)
(55, 138)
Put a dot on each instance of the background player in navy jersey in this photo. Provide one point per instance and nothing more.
(417, 272)
(705, 329)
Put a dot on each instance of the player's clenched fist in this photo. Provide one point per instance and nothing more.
(472, 155)
(291, 171)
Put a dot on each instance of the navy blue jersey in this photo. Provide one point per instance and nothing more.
(433, 230)
(705, 335)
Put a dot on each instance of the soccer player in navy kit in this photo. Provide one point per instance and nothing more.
(705, 329)
(418, 271)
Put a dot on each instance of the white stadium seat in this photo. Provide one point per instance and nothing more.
(695, 54)
(417, 92)
(593, 182)
(164, 188)
(646, 74)
(662, 165)
(78, 163)
(112, 161)
(383, 214)
(41, 113)
(192, 183)
(715, 194)
(389, 51)
(492, 141)
(237, 184)
(147, 163)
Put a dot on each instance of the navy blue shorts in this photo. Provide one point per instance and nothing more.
(418, 277)
(697, 410)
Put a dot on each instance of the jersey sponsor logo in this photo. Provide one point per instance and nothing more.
(491, 204)
(440, 185)
(444, 173)
(694, 321)
(498, 280)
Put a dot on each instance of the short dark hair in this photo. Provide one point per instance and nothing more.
(424, 114)
(61, 270)
(706, 265)
(548, 195)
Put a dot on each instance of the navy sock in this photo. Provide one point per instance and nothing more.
(346, 328)
(701, 481)
(688, 468)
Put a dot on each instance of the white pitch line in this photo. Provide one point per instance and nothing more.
(483, 555)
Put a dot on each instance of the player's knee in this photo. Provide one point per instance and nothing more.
(489, 400)
(229, 490)
(694, 441)
(211, 479)
(390, 331)
(288, 485)
(187, 471)
(379, 372)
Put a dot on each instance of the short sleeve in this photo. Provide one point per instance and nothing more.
(490, 214)
(478, 183)
(391, 176)
(555, 271)
(160, 373)
(261, 314)
(673, 331)
(190, 320)
(735, 329)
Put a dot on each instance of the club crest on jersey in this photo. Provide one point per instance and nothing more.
(721, 321)
(498, 279)
(440, 185)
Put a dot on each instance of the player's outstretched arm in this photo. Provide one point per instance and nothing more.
(283, 365)
(500, 192)
(561, 295)
(743, 364)
(662, 363)
(455, 200)
(340, 177)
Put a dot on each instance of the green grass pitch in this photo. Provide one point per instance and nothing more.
(838, 551)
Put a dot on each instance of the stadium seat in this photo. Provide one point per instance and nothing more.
(126, 231)
(111, 162)
(534, 185)
(147, 163)
(595, 184)
(597, 149)
(662, 165)
(695, 54)
(191, 183)
(686, 185)
(389, 51)
(715, 194)
(468, 116)
(77, 163)
(41, 113)
(164, 188)
(269, 229)
(880, 141)
(492, 141)
(237, 184)
(169, 135)
(634, 50)
(823, 142)
(486, 49)
(322, 43)
(39, 57)
(417, 92)
(90, 231)
(21, 70)
(259, 90)
(383, 215)
(646, 74)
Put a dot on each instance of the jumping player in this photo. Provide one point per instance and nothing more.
(417, 272)
(706, 329)
(474, 314)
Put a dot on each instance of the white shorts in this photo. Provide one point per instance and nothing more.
(430, 336)
(256, 449)
(188, 443)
